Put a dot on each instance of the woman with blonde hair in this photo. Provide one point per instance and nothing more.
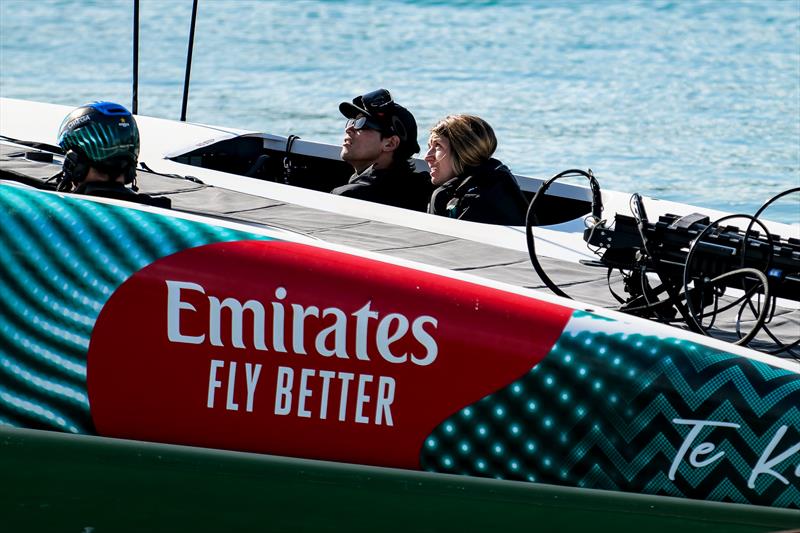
(470, 184)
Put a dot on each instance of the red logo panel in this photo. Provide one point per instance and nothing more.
(290, 349)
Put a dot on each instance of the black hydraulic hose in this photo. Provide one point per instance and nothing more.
(532, 220)
(781, 345)
(769, 202)
(787, 348)
(188, 63)
(691, 314)
(135, 93)
(687, 311)
(762, 316)
(744, 306)
(661, 303)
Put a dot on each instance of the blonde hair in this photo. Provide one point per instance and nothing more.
(472, 140)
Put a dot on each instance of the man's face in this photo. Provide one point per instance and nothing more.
(361, 148)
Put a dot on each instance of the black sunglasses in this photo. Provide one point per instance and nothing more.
(361, 123)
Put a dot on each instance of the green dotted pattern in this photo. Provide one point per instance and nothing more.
(599, 412)
(61, 258)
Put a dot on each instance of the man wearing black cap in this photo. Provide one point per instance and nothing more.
(379, 140)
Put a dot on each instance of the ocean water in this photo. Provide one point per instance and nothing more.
(694, 101)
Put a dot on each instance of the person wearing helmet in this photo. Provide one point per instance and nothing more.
(101, 146)
(379, 139)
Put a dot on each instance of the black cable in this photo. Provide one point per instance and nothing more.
(788, 348)
(636, 206)
(608, 282)
(764, 311)
(679, 320)
(771, 200)
(703, 305)
(692, 322)
(781, 346)
(682, 300)
(532, 220)
(744, 340)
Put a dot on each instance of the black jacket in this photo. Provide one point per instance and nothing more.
(118, 191)
(398, 185)
(488, 193)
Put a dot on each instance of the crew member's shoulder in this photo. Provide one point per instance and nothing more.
(398, 186)
(493, 175)
(118, 191)
(406, 176)
(496, 168)
(155, 201)
(355, 189)
(360, 185)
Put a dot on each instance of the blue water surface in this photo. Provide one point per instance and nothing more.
(693, 101)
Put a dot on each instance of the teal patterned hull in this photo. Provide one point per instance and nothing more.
(61, 259)
(611, 410)
(608, 407)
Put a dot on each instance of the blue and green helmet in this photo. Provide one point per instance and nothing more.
(102, 131)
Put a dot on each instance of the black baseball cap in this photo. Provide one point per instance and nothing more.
(379, 106)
